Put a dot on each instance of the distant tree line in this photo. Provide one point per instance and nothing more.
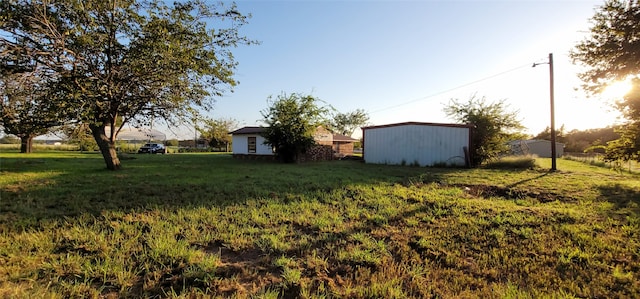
(593, 140)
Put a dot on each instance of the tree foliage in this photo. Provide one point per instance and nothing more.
(629, 106)
(123, 58)
(79, 134)
(612, 53)
(25, 108)
(291, 122)
(494, 125)
(216, 132)
(582, 140)
(347, 123)
(627, 147)
(546, 134)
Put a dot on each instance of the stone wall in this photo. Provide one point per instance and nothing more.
(317, 153)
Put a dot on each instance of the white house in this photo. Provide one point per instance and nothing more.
(249, 141)
(417, 143)
(538, 147)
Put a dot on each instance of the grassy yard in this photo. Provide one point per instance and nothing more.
(206, 225)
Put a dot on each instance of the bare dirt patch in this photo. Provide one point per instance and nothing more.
(243, 272)
(488, 191)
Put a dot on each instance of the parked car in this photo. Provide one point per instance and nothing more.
(152, 148)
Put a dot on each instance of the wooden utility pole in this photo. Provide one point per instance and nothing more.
(553, 121)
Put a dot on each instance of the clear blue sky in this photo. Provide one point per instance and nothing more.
(404, 60)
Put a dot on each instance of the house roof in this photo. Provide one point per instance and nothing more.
(343, 138)
(414, 123)
(248, 130)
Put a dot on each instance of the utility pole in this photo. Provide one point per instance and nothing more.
(553, 121)
(553, 118)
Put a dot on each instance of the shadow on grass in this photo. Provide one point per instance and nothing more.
(626, 200)
(359, 243)
(47, 161)
(527, 180)
(43, 188)
(323, 244)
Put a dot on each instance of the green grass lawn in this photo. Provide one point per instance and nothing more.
(206, 225)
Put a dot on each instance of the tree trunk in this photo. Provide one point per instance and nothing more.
(26, 144)
(107, 147)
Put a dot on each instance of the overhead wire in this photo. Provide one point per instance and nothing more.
(452, 89)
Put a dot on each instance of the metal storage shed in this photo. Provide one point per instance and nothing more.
(540, 148)
(417, 143)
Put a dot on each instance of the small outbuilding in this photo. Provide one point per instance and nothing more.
(249, 141)
(417, 143)
(538, 147)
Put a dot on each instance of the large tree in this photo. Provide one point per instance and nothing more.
(612, 53)
(125, 59)
(494, 125)
(25, 108)
(291, 122)
(612, 50)
(347, 123)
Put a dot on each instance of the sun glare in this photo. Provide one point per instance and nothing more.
(617, 89)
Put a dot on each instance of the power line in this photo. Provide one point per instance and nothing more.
(452, 89)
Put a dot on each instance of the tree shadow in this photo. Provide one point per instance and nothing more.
(625, 199)
(527, 180)
(56, 188)
(55, 191)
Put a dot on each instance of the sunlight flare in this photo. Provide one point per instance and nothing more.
(617, 89)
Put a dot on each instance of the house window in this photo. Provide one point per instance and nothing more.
(252, 145)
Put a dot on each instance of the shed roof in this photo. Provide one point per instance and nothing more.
(248, 130)
(414, 123)
(343, 138)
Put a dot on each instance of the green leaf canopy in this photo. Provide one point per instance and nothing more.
(124, 59)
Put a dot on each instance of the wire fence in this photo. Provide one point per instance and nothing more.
(597, 159)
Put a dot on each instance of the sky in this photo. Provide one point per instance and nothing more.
(405, 60)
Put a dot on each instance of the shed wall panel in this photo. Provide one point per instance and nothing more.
(542, 148)
(241, 145)
(416, 144)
